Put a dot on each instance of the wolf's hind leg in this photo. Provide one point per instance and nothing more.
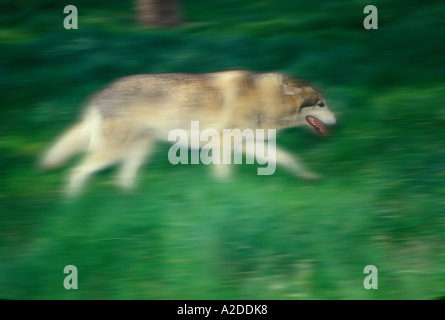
(223, 170)
(96, 160)
(134, 157)
(107, 144)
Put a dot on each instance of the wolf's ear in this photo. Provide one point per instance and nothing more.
(291, 89)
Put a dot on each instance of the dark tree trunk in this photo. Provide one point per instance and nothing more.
(158, 13)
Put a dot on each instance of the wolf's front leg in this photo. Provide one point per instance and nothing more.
(271, 156)
(294, 165)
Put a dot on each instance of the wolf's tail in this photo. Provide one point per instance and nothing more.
(71, 142)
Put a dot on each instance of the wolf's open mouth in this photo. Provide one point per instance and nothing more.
(316, 124)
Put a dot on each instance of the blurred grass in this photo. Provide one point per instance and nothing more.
(183, 235)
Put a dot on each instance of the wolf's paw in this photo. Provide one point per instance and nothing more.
(311, 176)
(75, 183)
(222, 171)
(126, 183)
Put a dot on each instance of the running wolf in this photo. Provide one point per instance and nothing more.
(122, 122)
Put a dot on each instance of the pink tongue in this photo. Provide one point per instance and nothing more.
(320, 126)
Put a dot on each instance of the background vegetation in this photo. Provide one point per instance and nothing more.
(183, 235)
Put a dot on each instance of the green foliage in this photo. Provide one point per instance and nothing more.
(182, 234)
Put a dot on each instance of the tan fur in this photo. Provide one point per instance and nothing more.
(123, 120)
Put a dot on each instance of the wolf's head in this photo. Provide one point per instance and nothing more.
(306, 106)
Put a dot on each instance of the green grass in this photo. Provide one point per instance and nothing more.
(183, 235)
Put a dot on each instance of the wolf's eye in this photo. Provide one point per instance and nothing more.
(321, 104)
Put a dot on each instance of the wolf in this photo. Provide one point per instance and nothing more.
(121, 122)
